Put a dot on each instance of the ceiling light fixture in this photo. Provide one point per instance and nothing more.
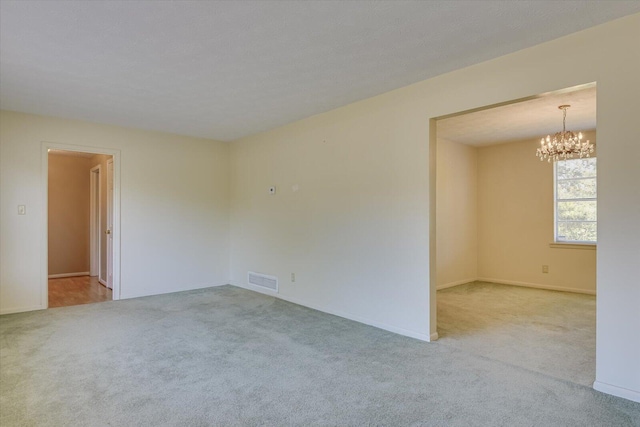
(564, 145)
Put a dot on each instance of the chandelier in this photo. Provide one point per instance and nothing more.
(563, 145)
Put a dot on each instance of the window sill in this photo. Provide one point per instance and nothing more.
(568, 245)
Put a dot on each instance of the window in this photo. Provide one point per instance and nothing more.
(576, 201)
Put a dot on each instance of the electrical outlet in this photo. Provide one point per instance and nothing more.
(293, 277)
(22, 209)
(545, 268)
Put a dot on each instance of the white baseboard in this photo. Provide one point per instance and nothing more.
(58, 276)
(102, 282)
(21, 310)
(172, 291)
(536, 285)
(390, 328)
(625, 393)
(456, 283)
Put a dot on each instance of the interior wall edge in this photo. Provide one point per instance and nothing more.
(622, 392)
(391, 328)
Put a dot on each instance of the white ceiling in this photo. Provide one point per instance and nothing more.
(529, 119)
(71, 153)
(224, 70)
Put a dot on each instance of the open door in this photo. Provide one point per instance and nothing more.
(109, 230)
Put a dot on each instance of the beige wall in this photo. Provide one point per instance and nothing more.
(101, 160)
(358, 231)
(495, 220)
(174, 207)
(456, 214)
(516, 223)
(68, 214)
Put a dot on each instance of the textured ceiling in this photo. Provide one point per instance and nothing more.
(533, 118)
(224, 70)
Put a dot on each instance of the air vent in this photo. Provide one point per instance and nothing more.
(264, 281)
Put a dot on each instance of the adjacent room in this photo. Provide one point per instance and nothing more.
(80, 192)
(261, 205)
(516, 236)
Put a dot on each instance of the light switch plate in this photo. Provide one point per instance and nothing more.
(22, 209)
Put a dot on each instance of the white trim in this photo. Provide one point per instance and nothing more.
(390, 328)
(573, 245)
(456, 283)
(95, 220)
(537, 286)
(58, 276)
(44, 226)
(556, 200)
(21, 310)
(110, 213)
(625, 393)
(102, 282)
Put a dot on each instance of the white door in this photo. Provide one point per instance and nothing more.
(109, 230)
(94, 233)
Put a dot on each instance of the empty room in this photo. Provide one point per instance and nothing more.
(516, 234)
(275, 251)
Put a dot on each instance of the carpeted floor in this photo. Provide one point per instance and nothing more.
(227, 356)
(553, 333)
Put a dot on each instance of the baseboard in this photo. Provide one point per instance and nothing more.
(536, 285)
(259, 289)
(173, 291)
(456, 283)
(359, 319)
(59, 276)
(102, 282)
(625, 393)
(21, 310)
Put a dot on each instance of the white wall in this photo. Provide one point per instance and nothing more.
(352, 208)
(516, 223)
(174, 207)
(357, 233)
(456, 213)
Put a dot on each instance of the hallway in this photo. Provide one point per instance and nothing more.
(68, 291)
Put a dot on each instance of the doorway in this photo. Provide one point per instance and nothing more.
(503, 286)
(81, 245)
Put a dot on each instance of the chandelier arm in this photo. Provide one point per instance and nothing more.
(565, 144)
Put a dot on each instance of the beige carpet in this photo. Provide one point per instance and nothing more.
(548, 332)
(230, 357)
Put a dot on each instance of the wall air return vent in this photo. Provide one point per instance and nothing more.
(264, 281)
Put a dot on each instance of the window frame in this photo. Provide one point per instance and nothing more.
(556, 221)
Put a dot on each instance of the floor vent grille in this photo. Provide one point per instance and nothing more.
(262, 280)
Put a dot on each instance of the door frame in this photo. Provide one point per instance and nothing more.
(44, 223)
(95, 216)
(110, 196)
